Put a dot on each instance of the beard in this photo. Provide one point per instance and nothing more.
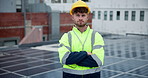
(80, 23)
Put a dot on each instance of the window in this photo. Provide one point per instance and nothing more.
(68, 1)
(41, 1)
(118, 15)
(85, 0)
(55, 1)
(44, 38)
(126, 15)
(133, 15)
(64, 1)
(99, 14)
(10, 42)
(1, 43)
(93, 14)
(111, 15)
(105, 15)
(18, 5)
(141, 15)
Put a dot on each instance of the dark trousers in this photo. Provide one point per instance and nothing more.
(94, 75)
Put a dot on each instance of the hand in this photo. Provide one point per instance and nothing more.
(89, 53)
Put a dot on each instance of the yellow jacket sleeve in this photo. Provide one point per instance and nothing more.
(64, 48)
(98, 50)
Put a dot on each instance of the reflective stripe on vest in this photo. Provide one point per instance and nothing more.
(81, 41)
(93, 38)
(82, 72)
(92, 41)
(97, 59)
(66, 54)
(61, 45)
(65, 57)
(69, 39)
(95, 47)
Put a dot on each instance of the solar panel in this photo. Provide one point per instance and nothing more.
(107, 74)
(144, 57)
(124, 58)
(126, 66)
(40, 69)
(47, 56)
(2, 71)
(129, 76)
(12, 58)
(111, 60)
(10, 75)
(10, 63)
(55, 59)
(51, 74)
(142, 71)
(27, 65)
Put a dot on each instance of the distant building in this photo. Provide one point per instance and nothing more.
(109, 16)
(16, 5)
(112, 16)
(121, 16)
(19, 17)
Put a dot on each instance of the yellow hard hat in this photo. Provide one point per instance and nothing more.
(79, 3)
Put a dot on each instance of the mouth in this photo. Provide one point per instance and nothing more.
(80, 22)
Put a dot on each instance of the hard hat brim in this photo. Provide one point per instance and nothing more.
(78, 7)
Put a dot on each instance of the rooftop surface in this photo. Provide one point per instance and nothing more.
(125, 57)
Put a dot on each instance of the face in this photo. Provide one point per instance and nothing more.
(80, 19)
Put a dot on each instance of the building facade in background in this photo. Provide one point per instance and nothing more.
(121, 16)
(109, 16)
(19, 17)
(112, 16)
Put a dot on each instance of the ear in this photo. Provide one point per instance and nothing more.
(72, 17)
(88, 16)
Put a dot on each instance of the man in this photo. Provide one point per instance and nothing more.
(81, 50)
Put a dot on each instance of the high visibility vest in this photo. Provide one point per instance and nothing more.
(75, 41)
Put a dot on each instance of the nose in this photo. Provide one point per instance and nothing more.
(80, 17)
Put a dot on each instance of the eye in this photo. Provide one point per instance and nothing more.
(83, 15)
(78, 15)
